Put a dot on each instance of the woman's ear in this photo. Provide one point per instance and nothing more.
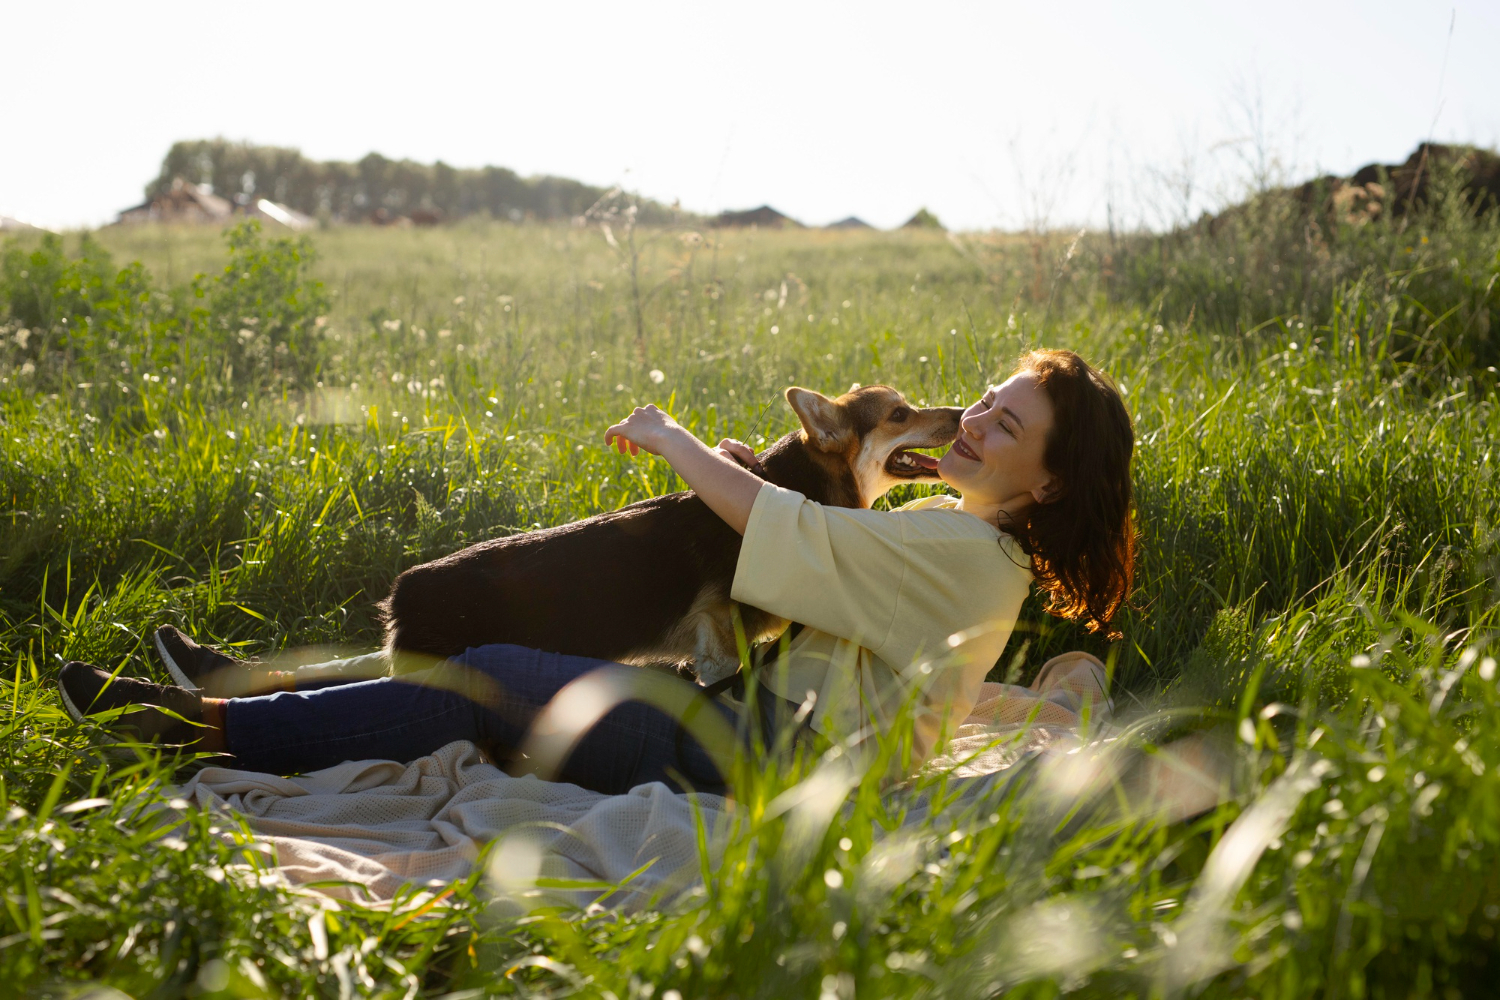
(1048, 491)
(824, 422)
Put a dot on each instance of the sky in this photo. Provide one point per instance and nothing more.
(992, 115)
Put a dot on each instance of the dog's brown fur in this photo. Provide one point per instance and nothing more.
(649, 583)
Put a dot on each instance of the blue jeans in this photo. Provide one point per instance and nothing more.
(489, 696)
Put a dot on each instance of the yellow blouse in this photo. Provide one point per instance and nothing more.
(918, 601)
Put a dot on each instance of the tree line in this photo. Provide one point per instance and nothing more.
(376, 188)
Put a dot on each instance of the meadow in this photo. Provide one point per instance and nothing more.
(250, 436)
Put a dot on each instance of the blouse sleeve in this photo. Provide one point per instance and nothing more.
(831, 568)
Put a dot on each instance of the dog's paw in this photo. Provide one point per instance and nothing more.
(713, 671)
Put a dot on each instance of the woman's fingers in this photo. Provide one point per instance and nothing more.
(631, 434)
(738, 450)
(648, 428)
(616, 436)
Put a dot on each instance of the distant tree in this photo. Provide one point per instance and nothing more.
(922, 220)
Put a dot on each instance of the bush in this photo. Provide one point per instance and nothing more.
(263, 313)
(65, 320)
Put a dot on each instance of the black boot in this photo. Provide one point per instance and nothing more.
(199, 668)
(87, 690)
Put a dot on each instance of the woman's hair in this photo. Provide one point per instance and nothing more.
(1082, 540)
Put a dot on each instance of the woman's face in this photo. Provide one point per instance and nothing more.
(997, 458)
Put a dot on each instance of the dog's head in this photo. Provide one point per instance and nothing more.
(870, 430)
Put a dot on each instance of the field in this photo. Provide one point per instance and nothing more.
(254, 453)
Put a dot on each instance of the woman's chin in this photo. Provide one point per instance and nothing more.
(947, 472)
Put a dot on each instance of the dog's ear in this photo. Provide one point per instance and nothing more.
(825, 422)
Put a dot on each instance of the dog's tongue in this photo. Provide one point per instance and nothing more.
(925, 461)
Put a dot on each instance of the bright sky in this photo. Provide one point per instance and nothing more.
(991, 114)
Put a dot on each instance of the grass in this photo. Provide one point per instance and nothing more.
(1316, 488)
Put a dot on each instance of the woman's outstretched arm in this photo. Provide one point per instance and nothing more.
(727, 488)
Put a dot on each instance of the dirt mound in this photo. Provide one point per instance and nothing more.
(1477, 172)
(1378, 189)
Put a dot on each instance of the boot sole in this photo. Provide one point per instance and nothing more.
(181, 679)
(78, 715)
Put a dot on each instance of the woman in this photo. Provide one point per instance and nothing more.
(911, 606)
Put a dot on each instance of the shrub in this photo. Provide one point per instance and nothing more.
(69, 318)
(77, 319)
(264, 312)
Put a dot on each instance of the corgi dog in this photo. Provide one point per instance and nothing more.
(649, 583)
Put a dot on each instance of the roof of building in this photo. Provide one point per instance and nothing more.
(765, 217)
(185, 202)
(291, 218)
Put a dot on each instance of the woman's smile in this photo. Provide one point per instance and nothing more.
(997, 460)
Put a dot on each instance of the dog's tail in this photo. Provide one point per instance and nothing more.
(385, 614)
(419, 616)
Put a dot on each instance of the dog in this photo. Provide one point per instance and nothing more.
(649, 584)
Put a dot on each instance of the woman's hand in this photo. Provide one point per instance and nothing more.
(649, 428)
(719, 480)
(737, 451)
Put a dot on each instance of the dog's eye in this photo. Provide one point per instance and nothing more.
(899, 414)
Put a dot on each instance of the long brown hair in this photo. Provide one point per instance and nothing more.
(1082, 540)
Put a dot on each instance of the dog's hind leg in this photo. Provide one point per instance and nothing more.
(437, 610)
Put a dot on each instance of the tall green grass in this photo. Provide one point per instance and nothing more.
(1312, 494)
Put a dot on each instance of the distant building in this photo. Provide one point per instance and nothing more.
(184, 202)
(9, 225)
(196, 203)
(764, 217)
(853, 222)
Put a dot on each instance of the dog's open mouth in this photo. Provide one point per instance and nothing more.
(910, 464)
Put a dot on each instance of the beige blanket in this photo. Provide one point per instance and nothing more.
(367, 829)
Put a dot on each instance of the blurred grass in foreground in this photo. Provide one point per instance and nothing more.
(1314, 492)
